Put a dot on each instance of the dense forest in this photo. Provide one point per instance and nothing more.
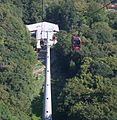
(84, 83)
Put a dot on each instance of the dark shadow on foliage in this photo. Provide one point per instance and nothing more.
(61, 71)
(37, 105)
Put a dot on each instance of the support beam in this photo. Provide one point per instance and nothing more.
(47, 87)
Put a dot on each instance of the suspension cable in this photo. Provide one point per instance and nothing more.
(105, 5)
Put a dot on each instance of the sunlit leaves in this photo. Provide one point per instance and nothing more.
(16, 62)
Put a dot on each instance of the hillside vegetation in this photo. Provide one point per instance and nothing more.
(84, 84)
(17, 60)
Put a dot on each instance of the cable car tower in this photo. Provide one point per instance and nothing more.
(45, 32)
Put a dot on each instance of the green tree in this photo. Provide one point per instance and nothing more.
(65, 14)
(17, 59)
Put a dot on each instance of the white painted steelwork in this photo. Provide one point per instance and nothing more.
(41, 31)
(47, 87)
(45, 30)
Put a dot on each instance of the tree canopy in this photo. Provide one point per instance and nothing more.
(84, 83)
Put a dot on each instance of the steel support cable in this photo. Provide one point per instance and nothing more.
(105, 5)
(90, 15)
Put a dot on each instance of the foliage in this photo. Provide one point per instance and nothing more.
(84, 84)
(65, 14)
(88, 87)
(17, 59)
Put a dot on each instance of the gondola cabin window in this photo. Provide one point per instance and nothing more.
(76, 43)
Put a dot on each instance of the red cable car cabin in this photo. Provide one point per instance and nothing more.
(76, 43)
